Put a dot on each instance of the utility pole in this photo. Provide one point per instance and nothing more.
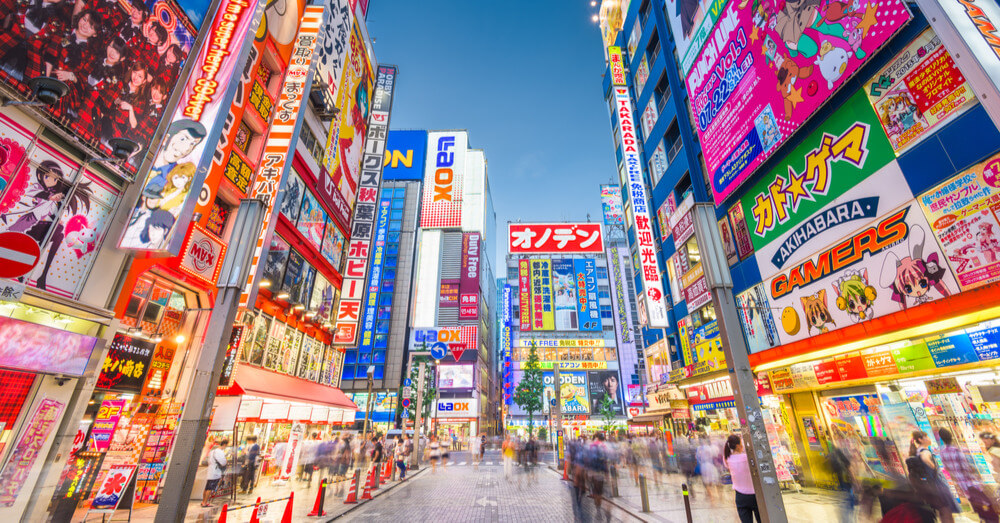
(418, 422)
(557, 388)
(720, 283)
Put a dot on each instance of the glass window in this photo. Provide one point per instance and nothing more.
(392, 237)
(350, 357)
(398, 204)
(387, 193)
(385, 300)
(379, 370)
(348, 373)
(394, 226)
(361, 372)
(388, 286)
(390, 262)
(381, 341)
(382, 327)
(388, 274)
(602, 273)
(379, 356)
(396, 214)
(399, 192)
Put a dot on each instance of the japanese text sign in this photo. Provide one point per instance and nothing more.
(529, 238)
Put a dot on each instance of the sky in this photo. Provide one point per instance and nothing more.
(525, 82)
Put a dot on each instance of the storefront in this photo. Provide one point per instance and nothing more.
(382, 413)
(456, 420)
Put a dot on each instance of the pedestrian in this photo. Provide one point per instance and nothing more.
(250, 467)
(434, 451)
(377, 452)
(482, 446)
(993, 451)
(598, 469)
(840, 467)
(710, 474)
(739, 468)
(445, 450)
(965, 476)
(508, 457)
(217, 464)
(401, 455)
(925, 476)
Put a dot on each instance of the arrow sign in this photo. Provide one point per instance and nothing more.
(457, 349)
(439, 350)
(407, 382)
(19, 253)
(484, 502)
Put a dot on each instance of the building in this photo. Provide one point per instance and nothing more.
(452, 305)
(859, 278)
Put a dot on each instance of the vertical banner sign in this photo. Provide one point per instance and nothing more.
(443, 179)
(620, 298)
(468, 286)
(588, 309)
(170, 191)
(363, 221)
(542, 315)
(28, 449)
(375, 274)
(648, 265)
(611, 202)
(280, 138)
(524, 294)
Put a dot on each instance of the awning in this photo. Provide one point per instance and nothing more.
(266, 384)
(649, 417)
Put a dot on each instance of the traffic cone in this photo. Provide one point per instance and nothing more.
(287, 516)
(565, 470)
(318, 506)
(225, 510)
(256, 507)
(386, 471)
(352, 492)
(367, 494)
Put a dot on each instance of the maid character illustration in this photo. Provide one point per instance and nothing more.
(911, 278)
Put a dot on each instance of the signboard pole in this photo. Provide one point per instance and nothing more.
(557, 387)
(716, 267)
(417, 423)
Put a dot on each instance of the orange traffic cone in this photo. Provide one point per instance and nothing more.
(565, 470)
(287, 516)
(352, 492)
(318, 506)
(367, 494)
(222, 516)
(386, 471)
(256, 507)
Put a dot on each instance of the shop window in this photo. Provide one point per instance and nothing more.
(158, 300)
(398, 204)
(379, 356)
(381, 341)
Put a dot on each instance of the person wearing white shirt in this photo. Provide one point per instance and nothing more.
(216, 466)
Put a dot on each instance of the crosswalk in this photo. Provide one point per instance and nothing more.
(487, 463)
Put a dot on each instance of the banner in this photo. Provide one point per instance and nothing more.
(375, 274)
(764, 72)
(588, 308)
(469, 281)
(171, 189)
(611, 202)
(449, 293)
(363, 221)
(528, 238)
(524, 294)
(963, 215)
(404, 155)
(621, 297)
(22, 458)
(542, 316)
(443, 177)
(757, 319)
(918, 91)
(37, 348)
(691, 22)
(331, 57)
(604, 384)
(126, 364)
(105, 423)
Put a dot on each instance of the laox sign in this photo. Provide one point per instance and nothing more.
(444, 176)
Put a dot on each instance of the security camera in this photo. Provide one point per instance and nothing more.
(122, 148)
(61, 380)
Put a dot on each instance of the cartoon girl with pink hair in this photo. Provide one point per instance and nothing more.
(911, 278)
(988, 243)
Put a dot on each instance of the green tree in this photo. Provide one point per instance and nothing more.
(607, 412)
(430, 393)
(528, 394)
(542, 433)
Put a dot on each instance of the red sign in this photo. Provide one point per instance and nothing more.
(19, 254)
(763, 384)
(880, 364)
(852, 368)
(203, 254)
(457, 349)
(469, 281)
(826, 372)
(531, 238)
(524, 294)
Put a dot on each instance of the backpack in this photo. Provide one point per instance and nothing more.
(925, 480)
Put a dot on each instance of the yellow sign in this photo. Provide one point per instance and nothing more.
(571, 365)
(560, 343)
(617, 65)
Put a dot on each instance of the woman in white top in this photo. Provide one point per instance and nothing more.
(434, 450)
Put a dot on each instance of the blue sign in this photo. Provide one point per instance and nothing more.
(951, 350)
(375, 274)
(588, 309)
(406, 403)
(407, 382)
(405, 152)
(986, 342)
(439, 350)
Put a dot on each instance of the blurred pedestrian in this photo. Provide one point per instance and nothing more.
(739, 468)
(401, 455)
(710, 474)
(508, 451)
(217, 464)
(434, 452)
(992, 447)
(250, 464)
(925, 476)
(840, 466)
(598, 461)
(965, 476)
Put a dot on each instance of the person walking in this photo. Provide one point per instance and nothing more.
(217, 464)
(482, 446)
(434, 451)
(966, 478)
(401, 455)
(739, 468)
(250, 467)
(992, 447)
(925, 476)
(508, 457)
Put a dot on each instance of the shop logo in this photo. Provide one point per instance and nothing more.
(203, 254)
(444, 176)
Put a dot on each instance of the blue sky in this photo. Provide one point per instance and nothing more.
(524, 79)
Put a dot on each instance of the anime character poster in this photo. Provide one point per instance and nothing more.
(768, 66)
(291, 202)
(564, 290)
(889, 265)
(311, 220)
(120, 61)
(963, 216)
(351, 123)
(919, 90)
(757, 319)
(691, 23)
(572, 392)
(274, 263)
(321, 301)
(333, 245)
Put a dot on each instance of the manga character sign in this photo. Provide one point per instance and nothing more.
(764, 71)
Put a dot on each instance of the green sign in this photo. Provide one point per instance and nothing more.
(913, 358)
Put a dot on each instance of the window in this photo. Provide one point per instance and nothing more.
(644, 11)
(653, 48)
(662, 91)
(672, 141)
(398, 204)
(602, 273)
(316, 148)
(399, 192)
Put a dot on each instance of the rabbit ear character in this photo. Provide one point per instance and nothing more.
(916, 242)
(887, 278)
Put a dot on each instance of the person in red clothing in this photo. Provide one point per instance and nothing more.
(129, 108)
(77, 53)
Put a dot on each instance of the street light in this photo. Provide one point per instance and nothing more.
(368, 405)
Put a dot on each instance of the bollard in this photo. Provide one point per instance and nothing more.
(614, 482)
(687, 501)
(642, 491)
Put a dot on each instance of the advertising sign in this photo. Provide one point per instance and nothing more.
(112, 489)
(873, 272)
(126, 364)
(757, 320)
(529, 238)
(443, 177)
(524, 294)
(22, 458)
(695, 285)
(363, 222)
(564, 290)
(449, 293)
(691, 22)
(741, 233)
(588, 308)
(622, 301)
(455, 376)
(542, 316)
(421, 339)
(405, 152)
(963, 216)
(331, 57)
(456, 408)
(37, 348)
(611, 202)
(762, 73)
(469, 281)
(274, 161)
(827, 187)
(171, 189)
(641, 74)
(573, 392)
(561, 342)
(202, 255)
(918, 91)
(681, 221)
(604, 384)
(375, 274)
(726, 232)
(652, 298)
(617, 65)
(105, 424)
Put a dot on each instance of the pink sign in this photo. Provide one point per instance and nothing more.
(763, 72)
(22, 459)
(109, 494)
(105, 424)
(34, 347)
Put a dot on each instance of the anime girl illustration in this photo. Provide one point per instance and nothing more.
(177, 190)
(855, 295)
(988, 243)
(899, 113)
(911, 278)
(817, 313)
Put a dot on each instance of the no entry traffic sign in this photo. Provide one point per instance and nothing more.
(19, 253)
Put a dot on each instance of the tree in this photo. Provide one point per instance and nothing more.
(528, 394)
(430, 393)
(607, 412)
(542, 433)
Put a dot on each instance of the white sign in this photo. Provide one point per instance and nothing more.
(456, 408)
(11, 290)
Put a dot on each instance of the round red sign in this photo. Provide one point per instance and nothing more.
(19, 253)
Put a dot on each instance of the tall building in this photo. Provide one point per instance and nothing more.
(834, 183)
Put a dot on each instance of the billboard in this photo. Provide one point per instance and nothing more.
(120, 60)
(449, 292)
(375, 274)
(611, 202)
(763, 73)
(37, 348)
(569, 238)
(572, 394)
(564, 295)
(363, 222)
(919, 90)
(455, 376)
(443, 176)
(605, 384)
(332, 47)
(542, 317)
(757, 319)
(588, 308)
(172, 186)
(405, 152)
(652, 300)
(469, 282)
(621, 300)
(524, 294)
(691, 22)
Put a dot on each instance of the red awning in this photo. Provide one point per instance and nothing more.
(266, 384)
